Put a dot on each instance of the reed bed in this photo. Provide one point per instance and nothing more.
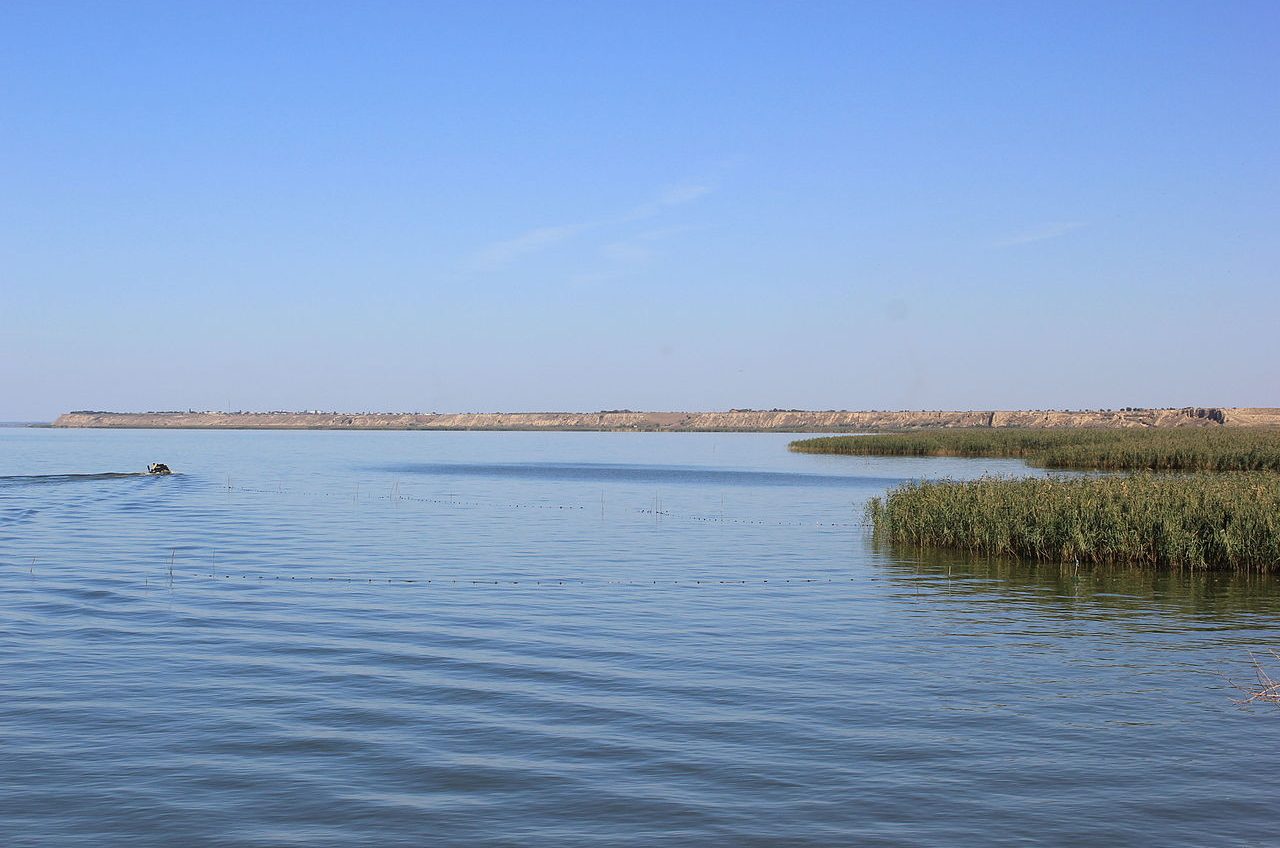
(1194, 521)
(1183, 449)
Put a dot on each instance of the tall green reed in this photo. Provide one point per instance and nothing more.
(1196, 521)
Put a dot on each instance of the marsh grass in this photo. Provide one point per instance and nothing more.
(1194, 521)
(1181, 449)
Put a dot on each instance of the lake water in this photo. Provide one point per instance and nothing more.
(573, 639)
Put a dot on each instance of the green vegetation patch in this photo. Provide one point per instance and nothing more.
(1181, 449)
(1197, 521)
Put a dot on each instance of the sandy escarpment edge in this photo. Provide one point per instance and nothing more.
(738, 420)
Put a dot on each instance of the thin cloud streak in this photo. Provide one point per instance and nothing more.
(1041, 233)
(673, 196)
(641, 247)
(502, 253)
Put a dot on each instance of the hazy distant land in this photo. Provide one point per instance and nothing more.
(752, 421)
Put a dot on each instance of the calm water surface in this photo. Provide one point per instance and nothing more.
(562, 639)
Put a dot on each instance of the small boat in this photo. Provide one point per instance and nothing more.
(158, 468)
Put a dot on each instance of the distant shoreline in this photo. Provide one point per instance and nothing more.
(739, 421)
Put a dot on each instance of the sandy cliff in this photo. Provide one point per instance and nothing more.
(736, 420)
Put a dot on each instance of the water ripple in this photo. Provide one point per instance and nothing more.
(251, 654)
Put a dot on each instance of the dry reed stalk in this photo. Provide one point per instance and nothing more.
(1264, 689)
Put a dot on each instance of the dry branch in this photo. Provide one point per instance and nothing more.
(1264, 689)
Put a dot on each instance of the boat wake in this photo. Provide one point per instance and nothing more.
(37, 479)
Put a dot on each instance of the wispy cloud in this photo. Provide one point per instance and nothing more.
(503, 253)
(626, 252)
(1040, 233)
(677, 195)
(641, 247)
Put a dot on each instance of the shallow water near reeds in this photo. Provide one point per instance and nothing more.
(559, 639)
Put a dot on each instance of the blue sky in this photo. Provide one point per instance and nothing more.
(577, 206)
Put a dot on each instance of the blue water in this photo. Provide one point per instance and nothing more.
(564, 639)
